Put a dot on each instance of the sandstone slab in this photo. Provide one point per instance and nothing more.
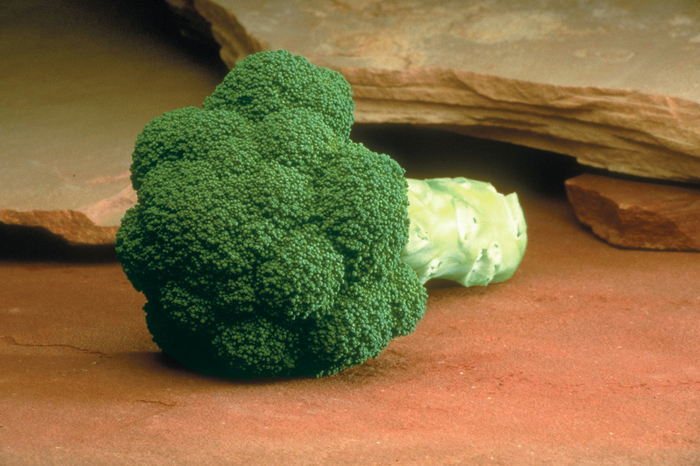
(587, 356)
(612, 83)
(636, 214)
(78, 82)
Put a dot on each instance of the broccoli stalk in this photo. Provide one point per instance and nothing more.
(463, 230)
(268, 243)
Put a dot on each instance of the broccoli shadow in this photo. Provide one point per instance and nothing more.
(440, 283)
(382, 366)
(36, 244)
(173, 365)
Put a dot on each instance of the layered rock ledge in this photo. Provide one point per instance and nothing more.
(611, 84)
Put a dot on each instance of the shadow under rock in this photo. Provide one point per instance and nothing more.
(35, 244)
(155, 19)
(435, 153)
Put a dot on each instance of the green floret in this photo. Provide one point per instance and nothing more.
(267, 243)
(272, 82)
(190, 134)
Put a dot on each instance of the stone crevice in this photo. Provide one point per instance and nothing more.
(13, 341)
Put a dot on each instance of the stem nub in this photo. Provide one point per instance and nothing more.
(463, 230)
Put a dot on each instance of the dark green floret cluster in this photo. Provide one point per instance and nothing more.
(266, 242)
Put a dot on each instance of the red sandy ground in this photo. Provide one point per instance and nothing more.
(589, 355)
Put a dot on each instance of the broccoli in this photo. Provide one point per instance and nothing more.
(267, 243)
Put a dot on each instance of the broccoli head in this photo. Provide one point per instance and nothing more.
(266, 242)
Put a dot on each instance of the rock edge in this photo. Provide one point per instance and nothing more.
(75, 227)
(634, 214)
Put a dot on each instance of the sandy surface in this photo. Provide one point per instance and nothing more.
(587, 356)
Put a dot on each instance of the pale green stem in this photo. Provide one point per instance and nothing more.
(463, 230)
